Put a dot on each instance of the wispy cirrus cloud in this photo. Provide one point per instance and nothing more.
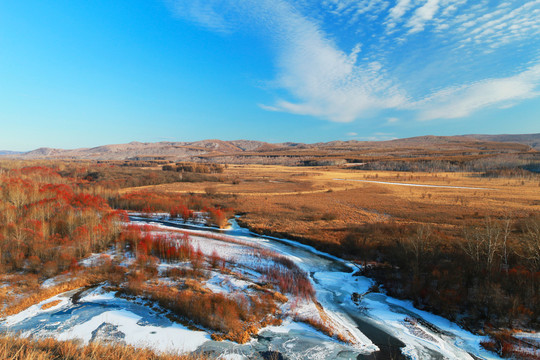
(422, 15)
(397, 12)
(461, 101)
(325, 79)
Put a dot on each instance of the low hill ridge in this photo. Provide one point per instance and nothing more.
(231, 151)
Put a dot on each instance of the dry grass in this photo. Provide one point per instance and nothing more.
(49, 349)
(378, 217)
(50, 304)
(324, 324)
(307, 202)
(37, 295)
(236, 318)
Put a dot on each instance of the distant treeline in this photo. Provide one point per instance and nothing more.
(489, 277)
(495, 166)
(192, 167)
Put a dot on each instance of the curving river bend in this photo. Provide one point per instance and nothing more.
(390, 328)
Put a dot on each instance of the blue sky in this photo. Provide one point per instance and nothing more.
(81, 74)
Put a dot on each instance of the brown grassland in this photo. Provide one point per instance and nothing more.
(309, 201)
(467, 248)
(466, 245)
(49, 349)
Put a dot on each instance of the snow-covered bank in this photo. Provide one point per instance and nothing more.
(100, 316)
(335, 290)
(343, 303)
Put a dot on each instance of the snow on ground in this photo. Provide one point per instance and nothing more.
(232, 357)
(228, 251)
(113, 319)
(95, 258)
(171, 338)
(224, 284)
(389, 314)
(247, 260)
(419, 185)
(199, 221)
(441, 336)
(54, 281)
(267, 241)
(530, 343)
(532, 337)
(416, 337)
(37, 309)
(424, 334)
(242, 255)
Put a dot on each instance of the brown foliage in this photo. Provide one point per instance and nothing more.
(46, 223)
(234, 318)
(49, 349)
(41, 294)
(50, 304)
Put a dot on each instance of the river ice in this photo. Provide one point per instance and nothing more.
(380, 325)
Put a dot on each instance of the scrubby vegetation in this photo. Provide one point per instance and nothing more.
(486, 279)
(47, 223)
(183, 206)
(231, 317)
(507, 346)
(191, 167)
(49, 349)
(289, 278)
(523, 165)
(447, 251)
(112, 175)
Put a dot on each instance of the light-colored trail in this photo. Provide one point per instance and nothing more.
(418, 185)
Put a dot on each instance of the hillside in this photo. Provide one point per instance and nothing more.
(8, 152)
(428, 148)
(533, 140)
(143, 151)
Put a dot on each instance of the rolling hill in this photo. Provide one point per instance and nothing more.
(249, 151)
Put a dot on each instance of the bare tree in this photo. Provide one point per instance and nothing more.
(483, 245)
(416, 246)
(492, 242)
(420, 243)
(530, 249)
(472, 246)
(506, 230)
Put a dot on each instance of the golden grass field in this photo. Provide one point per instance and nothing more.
(310, 202)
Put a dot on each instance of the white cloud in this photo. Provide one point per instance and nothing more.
(457, 102)
(352, 134)
(324, 80)
(397, 12)
(422, 15)
(203, 13)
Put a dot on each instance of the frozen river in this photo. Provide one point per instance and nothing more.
(384, 327)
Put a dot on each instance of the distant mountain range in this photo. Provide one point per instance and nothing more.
(228, 151)
(7, 152)
(142, 151)
(533, 140)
